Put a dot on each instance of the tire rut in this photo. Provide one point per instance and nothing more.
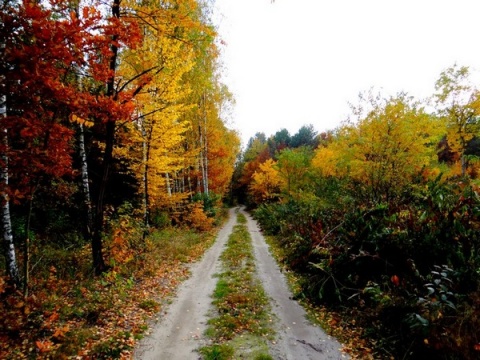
(297, 338)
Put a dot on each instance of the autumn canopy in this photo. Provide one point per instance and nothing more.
(107, 103)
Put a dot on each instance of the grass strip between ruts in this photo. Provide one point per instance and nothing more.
(243, 323)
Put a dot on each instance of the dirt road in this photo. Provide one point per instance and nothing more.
(180, 331)
(297, 337)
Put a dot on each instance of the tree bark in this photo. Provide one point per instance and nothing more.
(146, 196)
(205, 145)
(202, 162)
(167, 183)
(85, 183)
(9, 247)
(97, 247)
(8, 244)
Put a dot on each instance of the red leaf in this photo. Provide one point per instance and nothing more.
(395, 280)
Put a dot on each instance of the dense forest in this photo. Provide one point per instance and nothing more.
(116, 158)
(104, 105)
(380, 217)
(112, 125)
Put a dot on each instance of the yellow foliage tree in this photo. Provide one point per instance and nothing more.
(327, 160)
(222, 154)
(266, 181)
(214, 146)
(383, 152)
(154, 141)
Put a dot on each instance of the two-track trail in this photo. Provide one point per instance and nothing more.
(180, 330)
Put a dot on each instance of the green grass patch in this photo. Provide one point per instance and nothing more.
(217, 352)
(178, 244)
(250, 347)
(241, 219)
(243, 320)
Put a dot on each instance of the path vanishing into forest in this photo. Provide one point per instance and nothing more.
(180, 329)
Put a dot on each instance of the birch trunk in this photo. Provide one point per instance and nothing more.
(200, 158)
(176, 187)
(167, 181)
(9, 247)
(85, 183)
(205, 145)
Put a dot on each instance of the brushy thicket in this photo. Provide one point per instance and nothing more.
(407, 271)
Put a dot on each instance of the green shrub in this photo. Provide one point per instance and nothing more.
(160, 219)
(209, 201)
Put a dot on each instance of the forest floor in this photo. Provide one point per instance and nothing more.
(181, 330)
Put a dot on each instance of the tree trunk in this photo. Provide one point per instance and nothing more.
(200, 160)
(9, 247)
(167, 182)
(205, 145)
(199, 181)
(464, 164)
(87, 200)
(189, 185)
(85, 183)
(145, 181)
(97, 247)
(146, 196)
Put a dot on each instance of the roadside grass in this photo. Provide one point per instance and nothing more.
(72, 314)
(243, 322)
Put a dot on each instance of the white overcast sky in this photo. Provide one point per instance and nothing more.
(295, 62)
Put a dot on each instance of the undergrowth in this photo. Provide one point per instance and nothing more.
(72, 314)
